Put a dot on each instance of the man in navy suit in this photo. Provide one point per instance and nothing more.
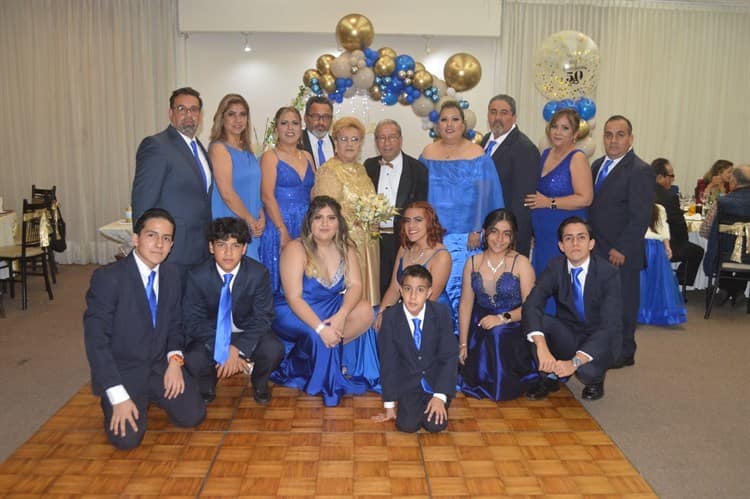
(318, 120)
(582, 336)
(517, 162)
(173, 172)
(620, 213)
(133, 336)
(403, 180)
(418, 357)
(246, 318)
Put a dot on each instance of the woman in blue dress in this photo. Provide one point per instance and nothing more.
(493, 350)
(287, 178)
(463, 188)
(321, 313)
(236, 171)
(565, 187)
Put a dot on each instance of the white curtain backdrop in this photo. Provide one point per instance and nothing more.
(680, 72)
(83, 82)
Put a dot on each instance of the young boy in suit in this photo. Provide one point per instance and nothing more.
(418, 357)
(228, 309)
(133, 336)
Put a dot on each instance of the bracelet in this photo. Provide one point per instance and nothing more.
(461, 345)
(320, 328)
(178, 358)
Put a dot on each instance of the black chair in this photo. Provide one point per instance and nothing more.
(682, 277)
(35, 225)
(48, 196)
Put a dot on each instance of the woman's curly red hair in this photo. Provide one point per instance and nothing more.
(435, 231)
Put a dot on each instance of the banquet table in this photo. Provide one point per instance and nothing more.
(8, 234)
(119, 231)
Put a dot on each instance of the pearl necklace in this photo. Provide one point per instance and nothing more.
(495, 269)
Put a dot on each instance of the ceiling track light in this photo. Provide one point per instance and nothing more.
(247, 48)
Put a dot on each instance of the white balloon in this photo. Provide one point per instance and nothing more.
(440, 85)
(341, 67)
(592, 124)
(363, 78)
(452, 92)
(470, 118)
(422, 106)
(587, 145)
(350, 91)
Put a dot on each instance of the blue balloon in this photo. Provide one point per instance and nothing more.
(404, 62)
(549, 109)
(349, 82)
(387, 79)
(428, 92)
(396, 85)
(390, 99)
(433, 133)
(378, 79)
(586, 108)
(471, 134)
(463, 104)
(409, 98)
(434, 116)
(566, 104)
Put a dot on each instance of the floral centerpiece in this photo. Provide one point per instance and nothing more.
(371, 209)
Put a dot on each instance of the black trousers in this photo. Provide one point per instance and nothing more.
(689, 255)
(410, 416)
(630, 281)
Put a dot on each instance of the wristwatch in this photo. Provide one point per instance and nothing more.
(506, 317)
(576, 362)
(553, 204)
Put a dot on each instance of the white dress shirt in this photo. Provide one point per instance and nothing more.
(327, 147)
(388, 184)
(499, 140)
(204, 161)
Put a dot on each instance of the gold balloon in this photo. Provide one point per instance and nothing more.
(422, 79)
(354, 32)
(309, 75)
(375, 92)
(478, 138)
(324, 64)
(418, 66)
(583, 130)
(462, 71)
(402, 98)
(387, 51)
(384, 65)
(328, 83)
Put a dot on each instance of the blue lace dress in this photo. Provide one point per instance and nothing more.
(496, 358)
(293, 197)
(308, 364)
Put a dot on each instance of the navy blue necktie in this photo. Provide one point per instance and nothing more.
(224, 323)
(321, 154)
(603, 174)
(194, 147)
(418, 344)
(151, 296)
(490, 147)
(578, 292)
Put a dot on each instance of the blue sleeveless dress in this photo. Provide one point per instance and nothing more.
(293, 197)
(312, 367)
(246, 183)
(443, 298)
(496, 358)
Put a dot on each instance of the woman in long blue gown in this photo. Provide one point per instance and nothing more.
(492, 348)
(236, 172)
(321, 314)
(463, 188)
(565, 187)
(287, 180)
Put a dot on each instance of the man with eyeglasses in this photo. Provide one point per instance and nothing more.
(403, 180)
(315, 138)
(688, 254)
(173, 172)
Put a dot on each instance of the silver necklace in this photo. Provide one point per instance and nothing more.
(419, 256)
(495, 269)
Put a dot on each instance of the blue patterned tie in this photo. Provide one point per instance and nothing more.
(194, 147)
(224, 323)
(578, 292)
(321, 154)
(490, 147)
(151, 296)
(418, 344)
(603, 174)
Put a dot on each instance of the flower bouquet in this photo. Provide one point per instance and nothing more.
(371, 209)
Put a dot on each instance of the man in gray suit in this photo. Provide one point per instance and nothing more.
(173, 172)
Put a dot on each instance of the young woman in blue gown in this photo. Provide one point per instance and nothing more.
(321, 313)
(236, 172)
(287, 178)
(492, 347)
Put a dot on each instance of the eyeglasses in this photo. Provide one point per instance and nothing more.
(671, 175)
(388, 138)
(187, 110)
(353, 140)
(320, 117)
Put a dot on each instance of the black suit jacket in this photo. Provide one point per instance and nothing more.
(412, 186)
(519, 167)
(167, 176)
(305, 145)
(678, 231)
(601, 332)
(122, 345)
(621, 210)
(402, 366)
(252, 304)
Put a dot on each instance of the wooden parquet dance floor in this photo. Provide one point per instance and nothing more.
(296, 447)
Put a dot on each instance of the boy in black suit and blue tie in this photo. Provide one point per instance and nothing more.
(228, 309)
(418, 357)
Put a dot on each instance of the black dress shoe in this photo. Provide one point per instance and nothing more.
(209, 397)
(623, 362)
(594, 391)
(542, 388)
(262, 395)
(721, 298)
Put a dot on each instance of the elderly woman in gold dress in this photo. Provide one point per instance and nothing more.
(343, 178)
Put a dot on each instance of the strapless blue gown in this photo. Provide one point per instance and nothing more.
(496, 358)
(246, 183)
(661, 299)
(308, 364)
(293, 197)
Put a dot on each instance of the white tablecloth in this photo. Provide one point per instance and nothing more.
(9, 234)
(120, 232)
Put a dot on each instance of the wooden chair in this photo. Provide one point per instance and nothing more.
(35, 237)
(39, 195)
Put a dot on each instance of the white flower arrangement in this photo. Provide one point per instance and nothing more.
(371, 209)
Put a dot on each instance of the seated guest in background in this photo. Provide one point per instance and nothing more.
(418, 383)
(403, 180)
(587, 332)
(716, 182)
(661, 301)
(734, 207)
(683, 251)
(236, 171)
(492, 348)
(322, 307)
(228, 309)
(133, 336)
(421, 243)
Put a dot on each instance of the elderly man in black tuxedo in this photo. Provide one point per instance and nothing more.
(403, 180)
(619, 215)
(517, 162)
(318, 120)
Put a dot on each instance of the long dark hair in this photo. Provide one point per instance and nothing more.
(493, 218)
